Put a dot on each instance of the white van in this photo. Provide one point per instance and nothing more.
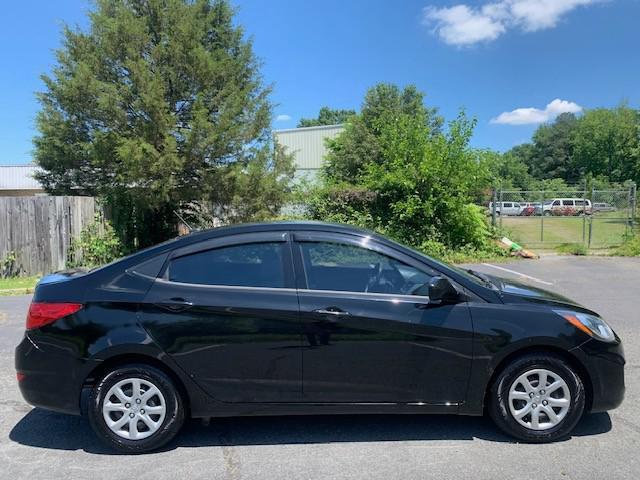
(506, 208)
(567, 206)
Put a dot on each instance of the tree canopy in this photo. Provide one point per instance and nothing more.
(160, 102)
(327, 116)
(601, 144)
(396, 170)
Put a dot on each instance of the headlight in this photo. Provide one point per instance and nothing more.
(590, 324)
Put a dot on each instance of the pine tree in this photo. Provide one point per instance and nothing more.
(158, 103)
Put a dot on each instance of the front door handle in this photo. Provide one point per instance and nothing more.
(332, 311)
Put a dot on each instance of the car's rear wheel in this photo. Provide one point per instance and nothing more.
(136, 408)
(537, 398)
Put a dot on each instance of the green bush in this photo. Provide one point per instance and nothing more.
(463, 254)
(97, 245)
(9, 266)
(396, 171)
(572, 249)
(630, 247)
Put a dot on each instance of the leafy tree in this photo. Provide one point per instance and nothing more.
(607, 143)
(408, 179)
(327, 116)
(509, 170)
(553, 149)
(601, 148)
(158, 103)
(361, 143)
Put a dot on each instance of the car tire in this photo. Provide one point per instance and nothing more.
(514, 393)
(131, 428)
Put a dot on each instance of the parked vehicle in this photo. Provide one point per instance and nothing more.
(603, 207)
(528, 209)
(506, 208)
(567, 207)
(308, 318)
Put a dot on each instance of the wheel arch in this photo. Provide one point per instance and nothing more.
(566, 355)
(120, 360)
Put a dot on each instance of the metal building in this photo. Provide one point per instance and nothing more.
(308, 146)
(17, 180)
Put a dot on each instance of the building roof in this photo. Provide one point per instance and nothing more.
(18, 177)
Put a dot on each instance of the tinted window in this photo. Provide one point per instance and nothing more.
(556, 203)
(248, 265)
(342, 267)
(579, 203)
(507, 204)
(567, 203)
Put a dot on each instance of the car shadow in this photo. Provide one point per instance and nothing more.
(43, 429)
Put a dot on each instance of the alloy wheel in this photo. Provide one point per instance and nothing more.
(134, 408)
(539, 399)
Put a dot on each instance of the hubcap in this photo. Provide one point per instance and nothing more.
(134, 408)
(539, 399)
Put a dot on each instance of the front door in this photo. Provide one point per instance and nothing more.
(227, 313)
(369, 337)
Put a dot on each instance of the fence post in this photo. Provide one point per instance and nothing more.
(584, 212)
(542, 218)
(632, 204)
(501, 212)
(593, 199)
(494, 201)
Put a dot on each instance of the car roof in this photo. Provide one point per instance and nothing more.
(200, 235)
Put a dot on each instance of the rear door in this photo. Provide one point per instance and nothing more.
(368, 336)
(226, 310)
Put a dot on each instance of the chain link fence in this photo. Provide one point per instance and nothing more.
(598, 219)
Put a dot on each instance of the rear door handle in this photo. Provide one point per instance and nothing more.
(175, 304)
(337, 312)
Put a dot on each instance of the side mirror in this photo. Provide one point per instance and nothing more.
(442, 291)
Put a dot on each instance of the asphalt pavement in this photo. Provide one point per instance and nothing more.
(38, 444)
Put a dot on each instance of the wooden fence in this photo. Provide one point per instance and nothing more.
(39, 230)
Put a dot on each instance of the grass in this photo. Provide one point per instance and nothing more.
(537, 232)
(572, 248)
(17, 285)
(630, 248)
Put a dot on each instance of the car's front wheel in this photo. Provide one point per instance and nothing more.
(136, 408)
(537, 398)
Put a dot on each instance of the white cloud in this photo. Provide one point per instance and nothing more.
(466, 25)
(283, 118)
(461, 25)
(532, 116)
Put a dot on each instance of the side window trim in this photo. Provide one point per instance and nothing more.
(228, 241)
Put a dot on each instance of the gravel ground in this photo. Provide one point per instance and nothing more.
(39, 444)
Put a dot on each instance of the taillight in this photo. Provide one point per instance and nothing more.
(41, 314)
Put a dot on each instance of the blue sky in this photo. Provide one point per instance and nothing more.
(510, 63)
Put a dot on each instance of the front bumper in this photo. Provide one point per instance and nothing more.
(604, 363)
(50, 381)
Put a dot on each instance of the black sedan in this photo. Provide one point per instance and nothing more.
(308, 318)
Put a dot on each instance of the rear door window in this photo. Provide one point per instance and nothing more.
(246, 265)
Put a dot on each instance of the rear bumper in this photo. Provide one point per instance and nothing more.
(605, 365)
(50, 381)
